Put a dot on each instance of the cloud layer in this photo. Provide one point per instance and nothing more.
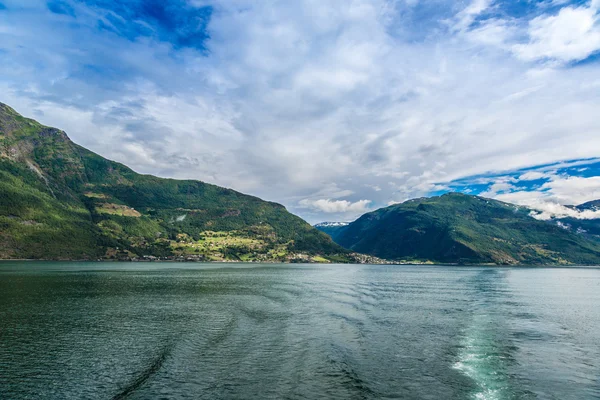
(342, 208)
(331, 108)
(550, 190)
(547, 211)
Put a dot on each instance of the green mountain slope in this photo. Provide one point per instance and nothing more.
(59, 200)
(457, 228)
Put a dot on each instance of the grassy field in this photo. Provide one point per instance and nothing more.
(117, 209)
(228, 245)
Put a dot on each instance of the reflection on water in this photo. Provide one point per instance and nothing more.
(177, 331)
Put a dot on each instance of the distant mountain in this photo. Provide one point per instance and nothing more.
(331, 224)
(59, 200)
(586, 225)
(593, 205)
(333, 229)
(458, 228)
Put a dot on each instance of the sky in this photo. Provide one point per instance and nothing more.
(332, 108)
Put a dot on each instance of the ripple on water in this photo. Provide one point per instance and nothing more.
(97, 331)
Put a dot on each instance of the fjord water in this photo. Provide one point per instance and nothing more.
(178, 331)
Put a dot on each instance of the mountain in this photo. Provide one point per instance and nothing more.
(588, 222)
(333, 229)
(59, 200)
(458, 228)
(593, 205)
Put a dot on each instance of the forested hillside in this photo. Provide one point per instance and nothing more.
(59, 200)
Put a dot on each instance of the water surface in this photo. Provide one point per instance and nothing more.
(198, 331)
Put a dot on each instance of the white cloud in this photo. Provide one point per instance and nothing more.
(497, 188)
(574, 189)
(562, 190)
(532, 176)
(465, 18)
(546, 211)
(336, 206)
(316, 100)
(550, 199)
(492, 32)
(571, 35)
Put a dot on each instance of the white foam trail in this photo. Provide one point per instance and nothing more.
(481, 361)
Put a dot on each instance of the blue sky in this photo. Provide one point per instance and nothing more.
(332, 108)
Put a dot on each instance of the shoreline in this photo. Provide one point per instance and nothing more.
(390, 263)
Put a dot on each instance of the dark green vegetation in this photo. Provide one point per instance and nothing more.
(59, 200)
(457, 228)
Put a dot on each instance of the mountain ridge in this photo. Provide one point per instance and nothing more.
(61, 200)
(459, 228)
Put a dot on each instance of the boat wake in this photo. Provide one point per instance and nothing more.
(145, 374)
(484, 361)
(486, 350)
